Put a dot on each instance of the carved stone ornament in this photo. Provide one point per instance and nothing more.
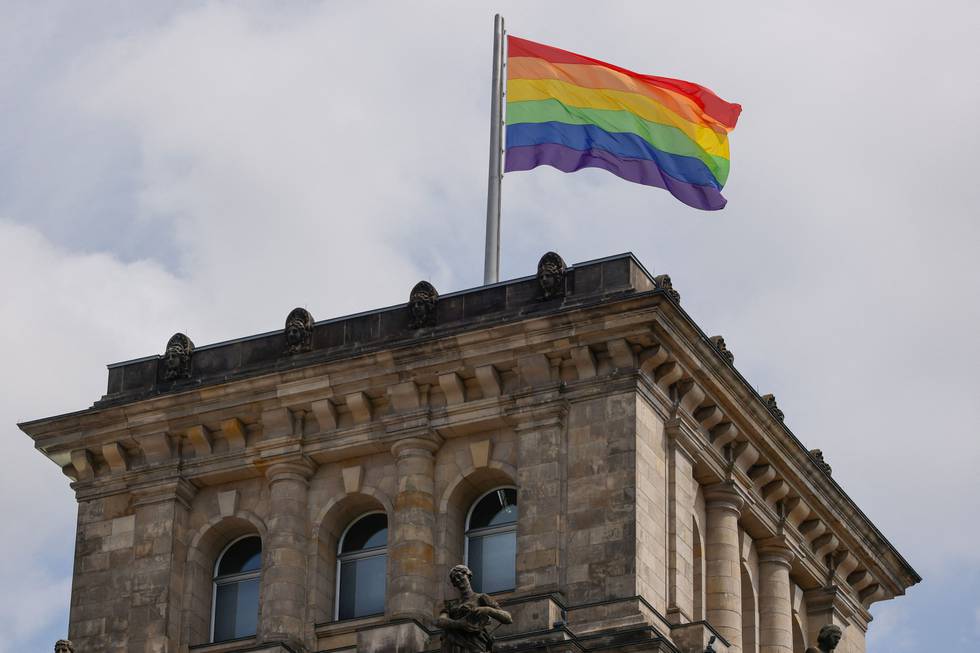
(177, 357)
(827, 639)
(551, 276)
(662, 282)
(422, 305)
(299, 331)
(817, 456)
(64, 646)
(770, 401)
(466, 622)
(719, 344)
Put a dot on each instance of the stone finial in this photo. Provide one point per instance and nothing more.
(719, 343)
(177, 357)
(770, 401)
(817, 456)
(827, 639)
(422, 305)
(299, 331)
(551, 276)
(662, 282)
(64, 646)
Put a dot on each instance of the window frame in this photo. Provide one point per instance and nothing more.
(359, 555)
(234, 578)
(490, 530)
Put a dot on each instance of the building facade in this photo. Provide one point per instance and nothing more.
(573, 437)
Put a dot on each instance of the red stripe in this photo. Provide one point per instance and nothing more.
(724, 112)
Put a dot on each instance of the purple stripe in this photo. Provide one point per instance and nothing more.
(640, 171)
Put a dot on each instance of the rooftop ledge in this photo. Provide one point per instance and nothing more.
(581, 284)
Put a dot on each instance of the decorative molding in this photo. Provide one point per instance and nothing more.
(453, 388)
(663, 282)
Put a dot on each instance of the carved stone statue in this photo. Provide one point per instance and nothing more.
(422, 305)
(177, 357)
(827, 639)
(662, 282)
(465, 621)
(64, 646)
(817, 456)
(551, 276)
(770, 401)
(299, 331)
(719, 343)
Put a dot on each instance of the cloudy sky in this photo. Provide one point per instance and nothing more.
(205, 167)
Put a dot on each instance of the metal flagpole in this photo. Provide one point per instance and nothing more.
(491, 261)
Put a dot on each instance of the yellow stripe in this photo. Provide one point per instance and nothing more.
(599, 77)
(522, 90)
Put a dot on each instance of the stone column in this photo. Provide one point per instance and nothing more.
(284, 578)
(775, 602)
(411, 536)
(723, 576)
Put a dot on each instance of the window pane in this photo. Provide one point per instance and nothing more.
(368, 532)
(491, 559)
(225, 607)
(362, 587)
(243, 555)
(247, 616)
(498, 507)
(236, 609)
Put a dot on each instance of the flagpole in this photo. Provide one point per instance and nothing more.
(491, 260)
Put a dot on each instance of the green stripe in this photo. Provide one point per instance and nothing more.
(663, 137)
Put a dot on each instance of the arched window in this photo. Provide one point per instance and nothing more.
(362, 559)
(236, 589)
(491, 541)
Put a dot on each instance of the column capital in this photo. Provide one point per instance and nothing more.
(423, 444)
(299, 468)
(724, 496)
(177, 489)
(775, 550)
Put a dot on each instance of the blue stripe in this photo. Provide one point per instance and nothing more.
(623, 145)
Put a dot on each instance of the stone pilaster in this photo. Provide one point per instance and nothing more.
(284, 578)
(775, 602)
(681, 489)
(411, 536)
(159, 546)
(723, 577)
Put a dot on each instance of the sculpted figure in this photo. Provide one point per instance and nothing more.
(551, 275)
(465, 622)
(662, 282)
(827, 639)
(422, 305)
(299, 331)
(177, 357)
(63, 646)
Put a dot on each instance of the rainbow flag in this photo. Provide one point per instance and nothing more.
(572, 112)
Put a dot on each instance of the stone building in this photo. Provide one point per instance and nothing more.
(593, 456)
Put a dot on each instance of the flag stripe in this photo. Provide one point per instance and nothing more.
(590, 137)
(522, 90)
(641, 171)
(723, 112)
(599, 77)
(663, 137)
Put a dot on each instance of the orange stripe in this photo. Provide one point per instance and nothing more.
(599, 77)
